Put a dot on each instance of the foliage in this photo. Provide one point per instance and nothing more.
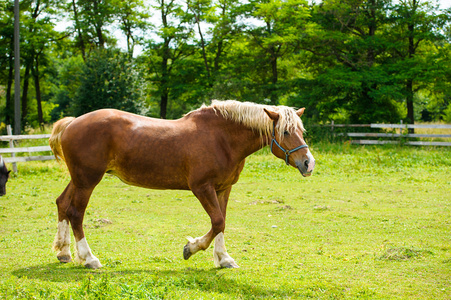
(110, 80)
(350, 61)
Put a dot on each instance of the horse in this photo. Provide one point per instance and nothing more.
(204, 151)
(4, 176)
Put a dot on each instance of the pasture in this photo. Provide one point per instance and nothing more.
(371, 223)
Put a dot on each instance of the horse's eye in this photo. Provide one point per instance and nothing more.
(286, 133)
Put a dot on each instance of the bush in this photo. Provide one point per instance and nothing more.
(447, 114)
(110, 80)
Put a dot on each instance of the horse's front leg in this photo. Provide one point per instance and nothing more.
(221, 258)
(207, 197)
(215, 204)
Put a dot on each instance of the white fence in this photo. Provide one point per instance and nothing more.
(13, 150)
(378, 138)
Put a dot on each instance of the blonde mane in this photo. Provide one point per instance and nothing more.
(252, 115)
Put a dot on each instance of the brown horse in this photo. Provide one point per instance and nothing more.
(203, 152)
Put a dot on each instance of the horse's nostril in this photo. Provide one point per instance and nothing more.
(306, 163)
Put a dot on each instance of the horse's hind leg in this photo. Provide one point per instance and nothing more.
(62, 238)
(76, 212)
(71, 206)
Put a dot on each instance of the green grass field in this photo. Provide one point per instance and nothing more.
(371, 223)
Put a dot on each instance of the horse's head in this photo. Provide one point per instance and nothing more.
(4, 175)
(288, 141)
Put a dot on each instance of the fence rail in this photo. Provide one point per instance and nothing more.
(380, 138)
(13, 150)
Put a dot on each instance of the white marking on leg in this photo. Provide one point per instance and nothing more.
(84, 255)
(220, 255)
(196, 244)
(62, 242)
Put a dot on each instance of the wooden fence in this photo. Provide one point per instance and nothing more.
(380, 138)
(376, 138)
(13, 150)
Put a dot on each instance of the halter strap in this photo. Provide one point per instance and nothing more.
(287, 152)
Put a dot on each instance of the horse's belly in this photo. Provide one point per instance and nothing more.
(153, 180)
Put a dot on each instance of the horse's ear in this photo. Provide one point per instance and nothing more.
(300, 112)
(272, 115)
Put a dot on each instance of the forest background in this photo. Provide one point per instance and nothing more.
(350, 61)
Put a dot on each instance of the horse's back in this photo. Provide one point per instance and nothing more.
(140, 150)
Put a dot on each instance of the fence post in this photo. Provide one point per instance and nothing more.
(11, 145)
(400, 129)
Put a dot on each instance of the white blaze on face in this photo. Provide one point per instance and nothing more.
(311, 164)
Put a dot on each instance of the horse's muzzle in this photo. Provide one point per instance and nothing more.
(307, 165)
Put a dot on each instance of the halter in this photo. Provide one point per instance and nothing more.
(287, 152)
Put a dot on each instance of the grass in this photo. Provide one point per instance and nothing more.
(371, 223)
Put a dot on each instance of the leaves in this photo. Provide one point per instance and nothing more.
(352, 61)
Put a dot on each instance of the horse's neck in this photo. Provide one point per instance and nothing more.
(246, 141)
(241, 140)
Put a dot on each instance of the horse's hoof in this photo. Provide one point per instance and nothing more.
(186, 252)
(94, 264)
(230, 265)
(65, 259)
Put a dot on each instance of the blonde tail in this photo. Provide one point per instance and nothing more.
(55, 137)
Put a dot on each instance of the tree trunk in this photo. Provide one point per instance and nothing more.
(409, 103)
(80, 37)
(100, 37)
(218, 56)
(409, 83)
(38, 91)
(204, 53)
(26, 81)
(98, 27)
(274, 78)
(164, 88)
(164, 103)
(9, 103)
(164, 79)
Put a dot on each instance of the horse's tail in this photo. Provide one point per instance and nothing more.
(55, 137)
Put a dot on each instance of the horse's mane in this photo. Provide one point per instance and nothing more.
(252, 115)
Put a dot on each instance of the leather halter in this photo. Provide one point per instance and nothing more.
(287, 152)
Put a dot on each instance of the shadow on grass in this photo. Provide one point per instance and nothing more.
(206, 280)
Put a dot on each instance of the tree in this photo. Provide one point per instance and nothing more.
(415, 27)
(172, 46)
(284, 22)
(66, 83)
(91, 21)
(348, 77)
(7, 56)
(132, 17)
(217, 30)
(38, 37)
(110, 80)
